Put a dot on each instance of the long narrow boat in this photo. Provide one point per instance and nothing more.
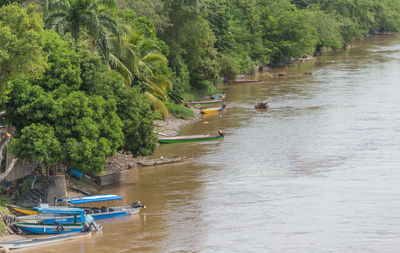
(248, 81)
(161, 161)
(206, 102)
(22, 210)
(98, 206)
(40, 241)
(191, 138)
(96, 213)
(58, 226)
(218, 96)
(214, 109)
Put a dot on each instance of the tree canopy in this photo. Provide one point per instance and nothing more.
(21, 44)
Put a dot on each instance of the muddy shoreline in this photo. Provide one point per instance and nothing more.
(170, 127)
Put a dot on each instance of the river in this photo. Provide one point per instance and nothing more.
(318, 172)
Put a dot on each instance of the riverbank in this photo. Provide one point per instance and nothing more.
(170, 127)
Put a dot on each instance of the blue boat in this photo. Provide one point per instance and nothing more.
(58, 226)
(90, 206)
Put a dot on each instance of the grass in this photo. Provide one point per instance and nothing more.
(179, 111)
(3, 209)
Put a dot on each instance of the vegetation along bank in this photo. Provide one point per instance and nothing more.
(83, 79)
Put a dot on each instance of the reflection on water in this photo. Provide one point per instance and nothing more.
(318, 172)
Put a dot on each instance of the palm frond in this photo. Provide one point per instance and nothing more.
(157, 104)
(155, 58)
(147, 46)
(107, 3)
(117, 64)
(58, 5)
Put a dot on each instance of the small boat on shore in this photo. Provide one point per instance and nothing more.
(248, 81)
(21, 209)
(214, 109)
(218, 96)
(206, 102)
(191, 138)
(161, 161)
(40, 241)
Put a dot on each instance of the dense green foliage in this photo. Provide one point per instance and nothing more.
(21, 44)
(92, 18)
(76, 112)
(179, 111)
(78, 98)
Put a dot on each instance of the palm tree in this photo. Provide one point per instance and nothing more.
(89, 16)
(135, 58)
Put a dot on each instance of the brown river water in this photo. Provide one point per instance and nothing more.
(318, 172)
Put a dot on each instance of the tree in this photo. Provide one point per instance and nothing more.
(37, 142)
(21, 43)
(191, 43)
(87, 126)
(133, 107)
(137, 118)
(91, 17)
(136, 58)
(153, 10)
(5, 2)
(288, 32)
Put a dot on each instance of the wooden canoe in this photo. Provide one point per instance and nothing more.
(41, 241)
(248, 81)
(161, 161)
(206, 102)
(22, 210)
(218, 96)
(190, 138)
(214, 109)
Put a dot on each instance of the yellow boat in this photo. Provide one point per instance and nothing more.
(214, 109)
(22, 210)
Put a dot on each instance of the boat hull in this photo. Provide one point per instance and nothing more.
(211, 110)
(209, 138)
(22, 210)
(50, 220)
(161, 161)
(208, 102)
(48, 229)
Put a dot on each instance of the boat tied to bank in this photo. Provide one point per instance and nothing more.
(59, 224)
(214, 109)
(161, 161)
(42, 240)
(191, 138)
(98, 206)
(21, 209)
(205, 102)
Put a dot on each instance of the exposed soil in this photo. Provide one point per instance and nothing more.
(170, 127)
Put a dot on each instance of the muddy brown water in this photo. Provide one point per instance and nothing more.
(318, 172)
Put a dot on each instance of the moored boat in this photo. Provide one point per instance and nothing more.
(22, 210)
(214, 109)
(59, 226)
(191, 138)
(96, 213)
(218, 96)
(206, 102)
(34, 242)
(161, 161)
(248, 81)
(98, 206)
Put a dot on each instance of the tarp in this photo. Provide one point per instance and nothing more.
(60, 210)
(90, 199)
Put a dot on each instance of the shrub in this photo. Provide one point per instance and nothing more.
(180, 111)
